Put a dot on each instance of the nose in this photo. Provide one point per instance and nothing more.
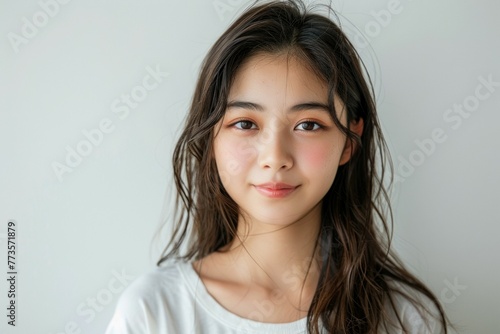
(275, 151)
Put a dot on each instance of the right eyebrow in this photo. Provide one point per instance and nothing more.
(244, 105)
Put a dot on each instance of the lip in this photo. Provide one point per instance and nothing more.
(275, 190)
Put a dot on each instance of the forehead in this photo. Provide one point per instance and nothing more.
(265, 71)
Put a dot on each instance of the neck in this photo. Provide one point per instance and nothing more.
(283, 257)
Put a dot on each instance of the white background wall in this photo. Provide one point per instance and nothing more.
(77, 234)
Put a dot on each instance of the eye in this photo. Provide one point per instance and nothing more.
(309, 126)
(244, 125)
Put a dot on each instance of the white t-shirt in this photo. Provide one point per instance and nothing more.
(173, 300)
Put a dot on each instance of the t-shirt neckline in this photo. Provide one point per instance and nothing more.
(221, 314)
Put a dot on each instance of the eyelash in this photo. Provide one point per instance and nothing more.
(320, 127)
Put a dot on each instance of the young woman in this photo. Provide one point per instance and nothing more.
(280, 220)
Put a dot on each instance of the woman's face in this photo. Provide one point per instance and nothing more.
(277, 129)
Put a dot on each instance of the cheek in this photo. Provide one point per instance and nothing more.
(233, 156)
(316, 157)
(322, 162)
(322, 156)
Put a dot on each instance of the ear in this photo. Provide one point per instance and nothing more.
(350, 146)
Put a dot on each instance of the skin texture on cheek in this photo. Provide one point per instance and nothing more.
(321, 155)
(232, 156)
(318, 157)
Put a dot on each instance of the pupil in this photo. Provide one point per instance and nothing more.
(307, 126)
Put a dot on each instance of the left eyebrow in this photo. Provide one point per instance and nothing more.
(295, 108)
(311, 106)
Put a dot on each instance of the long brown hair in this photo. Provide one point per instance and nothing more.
(357, 268)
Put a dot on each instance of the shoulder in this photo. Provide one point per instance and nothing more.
(417, 312)
(150, 295)
(156, 280)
